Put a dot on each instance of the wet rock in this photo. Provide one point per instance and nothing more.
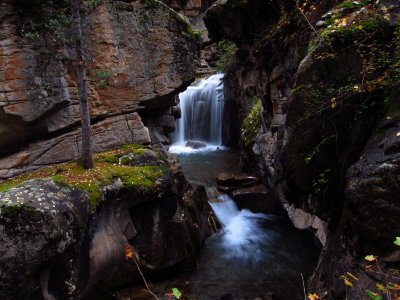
(236, 180)
(372, 189)
(195, 144)
(258, 199)
(165, 228)
(41, 229)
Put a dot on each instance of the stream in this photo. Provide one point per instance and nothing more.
(253, 255)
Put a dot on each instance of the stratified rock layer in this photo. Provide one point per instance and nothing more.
(139, 56)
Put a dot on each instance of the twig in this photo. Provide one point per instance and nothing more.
(129, 255)
(144, 279)
(309, 23)
(304, 286)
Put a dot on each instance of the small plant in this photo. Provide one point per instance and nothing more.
(101, 77)
(150, 4)
(227, 56)
(388, 285)
(252, 123)
(58, 26)
(92, 4)
(197, 33)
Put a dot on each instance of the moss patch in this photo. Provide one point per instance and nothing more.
(106, 171)
(251, 124)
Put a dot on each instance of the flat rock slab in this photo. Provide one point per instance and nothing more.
(236, 180)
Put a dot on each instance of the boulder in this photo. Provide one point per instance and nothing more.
(236, 180)
(372, 192)
(41, 229)
(258, 199)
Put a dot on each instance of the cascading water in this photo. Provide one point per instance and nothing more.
(202, 107)
(242, 234)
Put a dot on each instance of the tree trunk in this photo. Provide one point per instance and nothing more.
(86, 151)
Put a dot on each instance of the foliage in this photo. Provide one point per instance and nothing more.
(92, 4)
(57, 25)
(320, 181)
(101, 77)
(150, 4)
(176, 293)
(251, 124)
(227, 56)
(388, 282)
(196, 33)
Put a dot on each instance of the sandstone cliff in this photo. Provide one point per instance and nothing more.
(139, 55)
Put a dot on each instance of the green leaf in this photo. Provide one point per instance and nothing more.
(373, 296)
(176, 293)
(397, 241)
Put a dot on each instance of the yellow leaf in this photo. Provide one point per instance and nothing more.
(360, 27)
(370, 258)
(312, 296)
(370, 88)
(380, 287)
(347, 281)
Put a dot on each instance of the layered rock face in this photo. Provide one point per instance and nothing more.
(323, 94)
(55, 247)
(139, 57)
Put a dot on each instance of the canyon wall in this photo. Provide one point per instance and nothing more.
(139, 56)
(323, 138)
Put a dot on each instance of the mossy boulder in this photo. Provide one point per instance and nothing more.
(41, 227)
(135, 197)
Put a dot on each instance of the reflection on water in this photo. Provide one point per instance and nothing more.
(203, 167)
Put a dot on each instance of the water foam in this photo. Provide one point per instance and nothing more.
(243, 236)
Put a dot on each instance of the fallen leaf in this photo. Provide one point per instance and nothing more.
(312, 296)
(176, 293)
(128, 252)
(370, 258)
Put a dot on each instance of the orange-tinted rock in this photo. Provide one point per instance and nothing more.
(147, 56)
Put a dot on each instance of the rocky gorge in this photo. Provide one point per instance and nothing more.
(311, 100)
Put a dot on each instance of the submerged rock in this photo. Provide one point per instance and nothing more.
(236, 180)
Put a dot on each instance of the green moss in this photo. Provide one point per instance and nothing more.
(105, 173)
(8, 184)
(252, 124)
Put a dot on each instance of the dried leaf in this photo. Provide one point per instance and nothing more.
(312, 296)
(128, 252)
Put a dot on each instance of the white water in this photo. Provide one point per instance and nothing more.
(202, 107)
(242, 234)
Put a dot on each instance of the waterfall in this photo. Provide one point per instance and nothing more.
(243, 236)
(202, 107)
